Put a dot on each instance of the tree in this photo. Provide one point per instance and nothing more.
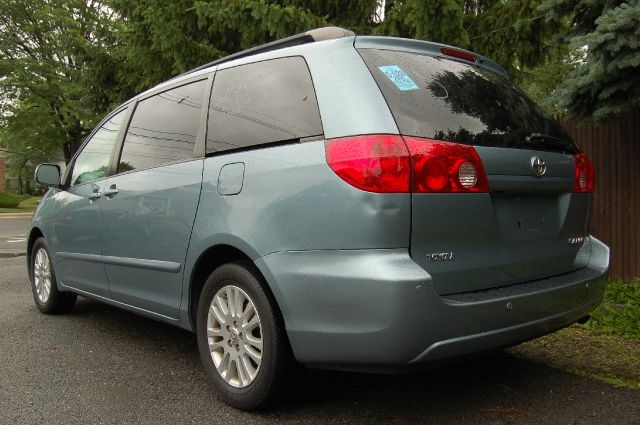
(439, 20)
(57, 74)
(607, 80)
(540, 81)
(161, 39)
(511, 32)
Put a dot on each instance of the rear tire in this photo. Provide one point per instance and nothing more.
(241, 338)
(46, 295)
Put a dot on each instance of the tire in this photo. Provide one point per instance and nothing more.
(252, 385)
(49, 299)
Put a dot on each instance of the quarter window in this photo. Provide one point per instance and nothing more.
(260, 103)
(164, 128)
(93, 162)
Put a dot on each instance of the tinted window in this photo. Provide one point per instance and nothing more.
(448, 100)
(164, 128)
(93, 162)
(261, 103)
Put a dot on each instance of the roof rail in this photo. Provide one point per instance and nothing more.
(318, 34)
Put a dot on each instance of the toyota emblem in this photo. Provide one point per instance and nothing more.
(538, 166)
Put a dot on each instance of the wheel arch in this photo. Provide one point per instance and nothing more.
(212, 258)
(34, 234)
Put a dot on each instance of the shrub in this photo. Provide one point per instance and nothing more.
(9, 200)
(620, 310)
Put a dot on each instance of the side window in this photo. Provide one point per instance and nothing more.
(164, 128)
(262, 102)
(93, 162)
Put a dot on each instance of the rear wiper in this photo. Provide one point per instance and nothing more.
(557, 142)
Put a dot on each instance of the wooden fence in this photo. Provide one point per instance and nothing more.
(614, 149)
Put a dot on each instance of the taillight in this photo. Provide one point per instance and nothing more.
(445, 167)
(387, 163)
(375, 163)
(584, 179)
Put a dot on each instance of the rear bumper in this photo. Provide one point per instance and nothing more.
(378, 309)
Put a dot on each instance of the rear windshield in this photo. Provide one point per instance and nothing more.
(447, 100)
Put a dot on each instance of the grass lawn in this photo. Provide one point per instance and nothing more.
(10, 203)
(606, 348)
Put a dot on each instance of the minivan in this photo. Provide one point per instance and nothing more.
(328, 200)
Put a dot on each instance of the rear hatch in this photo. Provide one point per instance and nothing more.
(526, 226)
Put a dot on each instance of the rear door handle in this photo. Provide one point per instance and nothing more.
(95, 195)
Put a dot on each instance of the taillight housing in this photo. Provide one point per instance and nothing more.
(375, 163)
(445, 167)
(391, 163)
(584, 179)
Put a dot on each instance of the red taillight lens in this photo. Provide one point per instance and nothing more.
(375, 163)
(458, 54)
(386, 163)
(585, 175)
(445, 167)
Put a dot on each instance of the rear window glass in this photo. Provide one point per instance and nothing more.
(447, 100)
(262, 102)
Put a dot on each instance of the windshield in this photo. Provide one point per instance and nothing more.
(443, 99)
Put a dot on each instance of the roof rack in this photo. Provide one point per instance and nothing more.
(318, 34)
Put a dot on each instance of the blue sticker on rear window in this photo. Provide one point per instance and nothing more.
(398, 77)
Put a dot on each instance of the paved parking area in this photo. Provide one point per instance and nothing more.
(13, 232)
(102, 365)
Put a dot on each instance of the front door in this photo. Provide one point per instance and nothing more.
(74, 225)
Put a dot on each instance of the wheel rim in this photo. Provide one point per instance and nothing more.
(42, 275)
(234, 334)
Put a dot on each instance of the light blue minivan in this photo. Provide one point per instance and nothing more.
(331, 200)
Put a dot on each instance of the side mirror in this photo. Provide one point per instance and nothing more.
(48, 174)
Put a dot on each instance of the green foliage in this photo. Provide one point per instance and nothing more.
(607, 81)
(162, 39)
(57, 77)
(540, 81)
(620, 311)
(437, 20)
(9, 200)
(513, 34)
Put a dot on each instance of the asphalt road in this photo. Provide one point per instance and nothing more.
(103, 365)
(13, 231)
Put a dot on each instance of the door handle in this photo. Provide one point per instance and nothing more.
(111, 191)
(95, 195)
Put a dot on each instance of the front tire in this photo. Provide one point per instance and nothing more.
(48, 298)
(241, 340)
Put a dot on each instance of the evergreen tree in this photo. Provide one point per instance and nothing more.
(162, 38)
(607, 80)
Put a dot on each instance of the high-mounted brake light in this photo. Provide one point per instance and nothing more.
(387, 163)
(458, 54)
(584, 175)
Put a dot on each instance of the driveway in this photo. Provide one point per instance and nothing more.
(102, 365)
